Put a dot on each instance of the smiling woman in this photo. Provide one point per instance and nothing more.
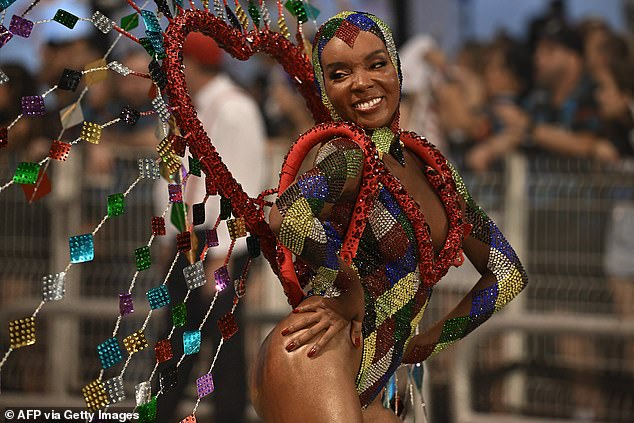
(330, 359)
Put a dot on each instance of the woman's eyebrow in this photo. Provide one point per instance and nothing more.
(375, 53)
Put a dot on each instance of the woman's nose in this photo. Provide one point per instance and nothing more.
(361, 81)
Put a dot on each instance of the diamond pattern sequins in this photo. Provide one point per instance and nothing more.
(221, 275)
(53, 287)
(126, 304)
(22, 332)
(158, 297)
(227, 325)
(211, 237)
(114, 388)
(143, 393)
(237, 228)
(116, 204)
(26, 173)
(102, 22)
(33, 105)
(205, 385)
(147, 411)
(65, 18)
(5, 35)
(169, 377)
(135, 342)
(109, 353)
(82, 248)
(143, 258)
(194, 275)
(95, 395)
(189, 419)
(183, 242)
(191, 342)
(158, 226)
(59, 150)
(69, 80)
(20, 26)
(163, 350)
(148, 168)
(179, 315)
(175, 193)
(91, 132)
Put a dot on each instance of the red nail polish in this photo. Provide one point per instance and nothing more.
(291, 346)
(312, 352)
(285, 332)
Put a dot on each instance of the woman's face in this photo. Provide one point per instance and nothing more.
(612, 102)
(360, 81)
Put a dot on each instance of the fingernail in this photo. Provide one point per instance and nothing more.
(291, 346)
(357, 341)
(295, 310)
(312, 351)
(285, 332)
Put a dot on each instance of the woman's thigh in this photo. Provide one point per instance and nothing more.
(291, 387)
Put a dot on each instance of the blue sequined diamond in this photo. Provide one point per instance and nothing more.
(151, 21)
(109, 353)
(191, 342)
(158, 297)
(82, 248)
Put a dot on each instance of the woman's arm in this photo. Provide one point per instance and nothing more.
(503, 277)
(300, 218)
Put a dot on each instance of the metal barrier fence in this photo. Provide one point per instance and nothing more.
(561, 350)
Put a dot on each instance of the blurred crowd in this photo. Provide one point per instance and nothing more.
(566, 89)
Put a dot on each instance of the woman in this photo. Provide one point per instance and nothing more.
(329, 360)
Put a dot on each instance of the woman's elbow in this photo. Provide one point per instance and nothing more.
(275, 220)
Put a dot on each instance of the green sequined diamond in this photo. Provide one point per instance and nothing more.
(26, 173)
(194, 166)
(147, 411)
(65, 18)
(115, 204)
(143, 258)
(179, 315)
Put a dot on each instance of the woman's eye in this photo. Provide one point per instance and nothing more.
(337, 75)
(378, 65)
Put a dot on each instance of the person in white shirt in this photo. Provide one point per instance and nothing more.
(234, 124)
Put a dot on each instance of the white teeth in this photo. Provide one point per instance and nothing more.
(368, 104)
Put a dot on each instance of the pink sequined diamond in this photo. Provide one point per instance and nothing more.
(20, 26)
(205, 385)
(221, 275)
(175, 193)
(126, 305)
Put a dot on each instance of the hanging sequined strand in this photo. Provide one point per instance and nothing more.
(281, 22)
(266, 16)
(219, 10)
(242, 16)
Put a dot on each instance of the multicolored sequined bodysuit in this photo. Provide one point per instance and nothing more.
(387, 258)
(394, 258)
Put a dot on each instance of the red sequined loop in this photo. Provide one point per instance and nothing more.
(241, 46)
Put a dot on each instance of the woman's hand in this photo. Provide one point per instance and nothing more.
(321, 320)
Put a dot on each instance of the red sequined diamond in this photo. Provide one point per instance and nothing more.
(59, 150)
(227, 325)
(158, 226)
(163, 350)
(347, 32)
(184, 242)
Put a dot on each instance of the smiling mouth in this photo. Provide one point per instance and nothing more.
(367, 105)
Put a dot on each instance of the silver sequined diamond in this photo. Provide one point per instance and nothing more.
(161, 109)
(194, 275)
(102, 22)
(114, 388)
(4, 78)
(143, 393)
(148, 168)
(119, 68)
(53, 287)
